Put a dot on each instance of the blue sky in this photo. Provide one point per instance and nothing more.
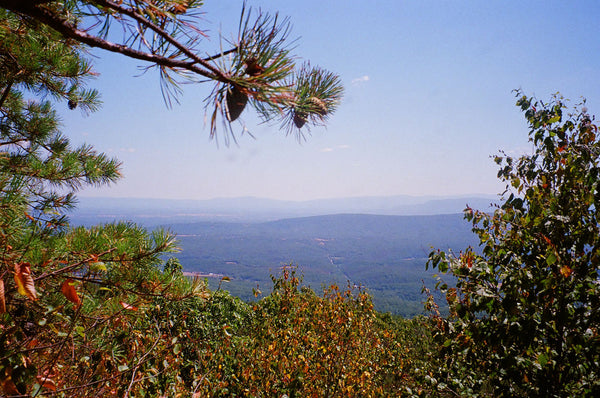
(428, 100)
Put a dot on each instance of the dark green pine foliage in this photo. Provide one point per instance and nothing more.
(37, 161)
(525, 313)
(61, 289)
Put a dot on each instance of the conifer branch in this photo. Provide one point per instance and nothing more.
(5, 93)
(219, 55)
(69, 30)
(146, 22)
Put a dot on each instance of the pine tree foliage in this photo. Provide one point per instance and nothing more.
(88, 311)
(257, 68)
(63, 290)
(37, 63)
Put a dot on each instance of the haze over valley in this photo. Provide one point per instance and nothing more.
(381, 243)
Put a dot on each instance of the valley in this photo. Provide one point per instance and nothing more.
(384, 254)
(341, 241)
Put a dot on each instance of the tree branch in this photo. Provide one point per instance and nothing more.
(67, 29)
(212, 57)
(5, 92)
(73, 266)
(144, 21)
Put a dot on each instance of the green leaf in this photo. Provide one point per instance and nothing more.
(98, 266)
(554, 119)
(80, 330)
(550, 259)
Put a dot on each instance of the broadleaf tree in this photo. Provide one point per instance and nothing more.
(525, 310)
(75, 303)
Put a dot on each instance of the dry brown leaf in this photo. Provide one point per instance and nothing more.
(2, 299)
(128, 306)
(69, 291)
(566, 271)
(24, 280)
(8, 385)
(47, 383)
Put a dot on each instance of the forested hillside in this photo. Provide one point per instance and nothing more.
(385, 254)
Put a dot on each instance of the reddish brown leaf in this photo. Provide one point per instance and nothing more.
(566, 271)
(32, 343)
(9, 387)
(128, 306)
(2, 299)
(69, 291)
(47, 383)
(547, 240)
(24, 280)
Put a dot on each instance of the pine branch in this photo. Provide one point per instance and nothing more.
(145, 22)
(5, 93)
(69, 30)
(217, 56)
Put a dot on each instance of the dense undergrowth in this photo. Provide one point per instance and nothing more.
(292, 342)
(195, 342)
(96, 312)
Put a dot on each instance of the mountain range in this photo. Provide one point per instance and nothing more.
(151, 212)
(341, 241)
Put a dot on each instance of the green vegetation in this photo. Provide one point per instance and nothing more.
(98, 311)
(385, 254)
(524, 314)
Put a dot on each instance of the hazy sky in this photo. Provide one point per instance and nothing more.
(428, 99)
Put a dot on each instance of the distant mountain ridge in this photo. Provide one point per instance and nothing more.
(151, 212)
(381, 243)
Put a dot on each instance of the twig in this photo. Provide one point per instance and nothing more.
(140, 362)
(213, 57)
(72, 266)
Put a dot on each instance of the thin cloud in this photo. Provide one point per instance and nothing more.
(329, 149)
(360, 80)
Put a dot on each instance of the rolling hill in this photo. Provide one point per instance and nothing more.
(385, 254)
(332, 240)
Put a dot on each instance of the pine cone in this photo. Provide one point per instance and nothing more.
(253, 68)
(319, 105)
(300, 119)
(236, 102)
